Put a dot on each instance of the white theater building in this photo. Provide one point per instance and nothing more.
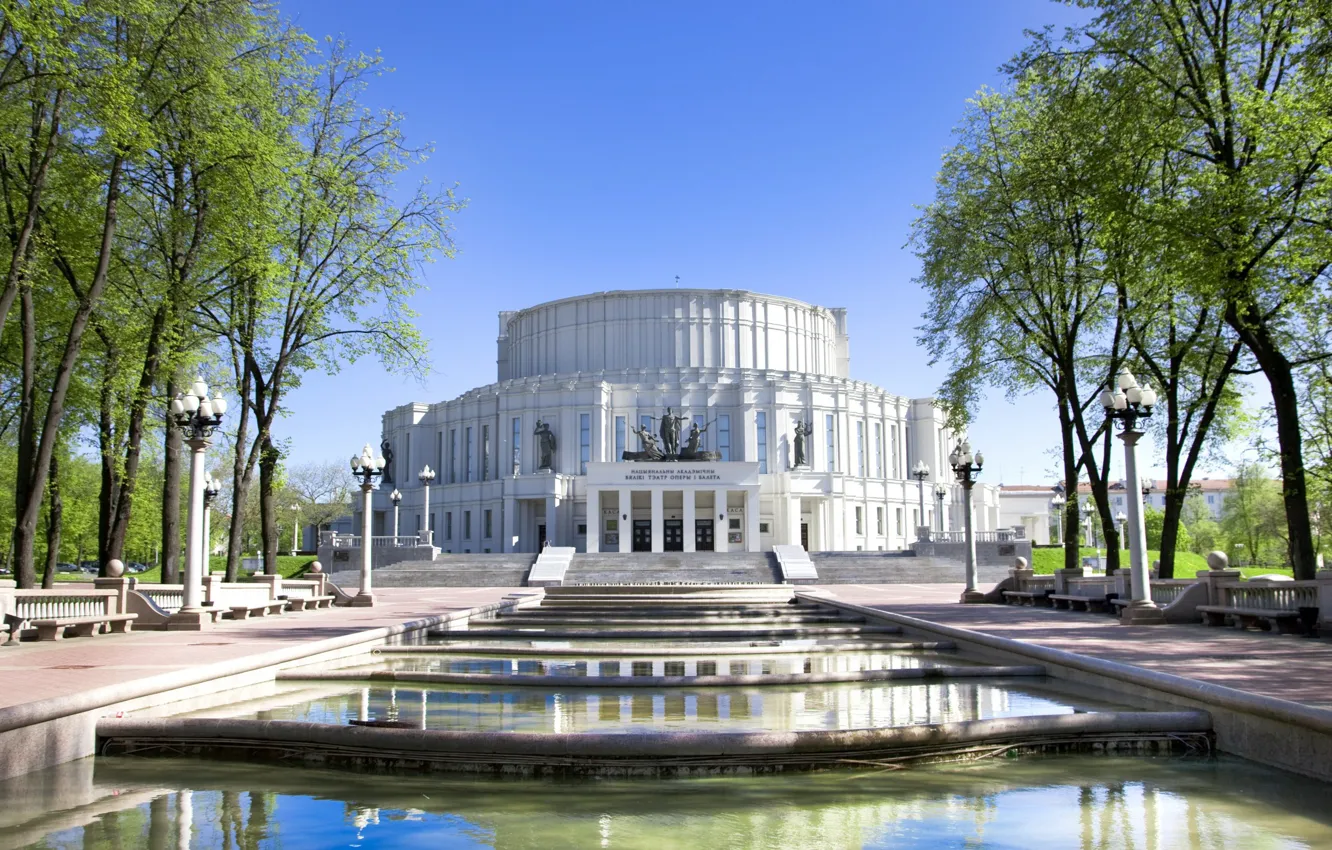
(744, 367)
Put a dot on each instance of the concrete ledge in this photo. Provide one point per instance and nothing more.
(718, 651)
(932, 673)
(654, 754)
(679, 633)
(1272, 731)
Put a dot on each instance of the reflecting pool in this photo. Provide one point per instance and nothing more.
(1086, 803)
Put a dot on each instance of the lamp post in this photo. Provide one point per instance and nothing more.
(1128, 404)
(940, 493)
(366, 467)
(211, 489)
(295, 529)
(1057, 504)
(427, 476)
(966, 471)
(920, 472)
(197, 416)
(395, 497)
(1122, 519)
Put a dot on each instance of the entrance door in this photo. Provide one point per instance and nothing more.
(703, 535)
(673, 535)
(804, 535)
(541, 537)
(642, 535)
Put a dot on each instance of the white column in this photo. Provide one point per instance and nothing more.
(207, 538)
(366, 595)
(552, 525)
(194, 530)
(720, 526)
(510, 524)
(1141, 609)
(752, 519)
(429, 535)
(688, 520)
(658, 520)
(626, 523)
(593, 519)
(792, 520)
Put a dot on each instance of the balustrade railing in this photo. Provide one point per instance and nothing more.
(54, 604)
(168, 597)
(1002, 535)
(1270, 596)
(353, 541)
(1167, 590)
(1091, 586)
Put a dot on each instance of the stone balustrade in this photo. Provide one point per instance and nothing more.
(56, 603)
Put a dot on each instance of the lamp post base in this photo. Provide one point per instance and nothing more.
(971, 597)
(363, 600)
(1142, 614)
(186, 620)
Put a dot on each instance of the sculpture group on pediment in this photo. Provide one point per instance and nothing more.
(665, 444)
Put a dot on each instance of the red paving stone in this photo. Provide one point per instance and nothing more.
(1284, 666)
(41, 670)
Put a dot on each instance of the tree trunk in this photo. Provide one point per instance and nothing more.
(24, 569)
(108, 451)
(268, 462)
(1069, 521)
(172, 443)
(54, 510)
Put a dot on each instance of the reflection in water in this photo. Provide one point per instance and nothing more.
(858, 705)
(1144, 804)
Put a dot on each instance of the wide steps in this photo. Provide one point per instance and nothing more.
(478, 629)
(731, 622)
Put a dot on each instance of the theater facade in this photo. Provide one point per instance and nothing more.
(670, 420)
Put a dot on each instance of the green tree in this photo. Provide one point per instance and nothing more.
(1253, 517)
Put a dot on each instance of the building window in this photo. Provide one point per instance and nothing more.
(448, 525)
(467, 525)
(488, 528)
(900, 530)
(892, 433)
(906, 444)
(439, 452)
(453, 455)
(517, 445)
(582, 529)
(620, 433)
(701, 422)
(831, 449)
(860, 448)
(724, 436)
(471, 467)
(879, 520)
(407, 453)
(761, 432)
(878, 453)
(860, 520)
(763, 528)
(584, 441)
(485, 452)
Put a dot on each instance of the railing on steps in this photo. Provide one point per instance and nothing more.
(1167, 590)
(168, 597)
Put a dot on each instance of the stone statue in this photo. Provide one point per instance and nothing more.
(386, 448)
(670, 433)
(695, 436)
(545, 445)
(802, 432)
(648, 448)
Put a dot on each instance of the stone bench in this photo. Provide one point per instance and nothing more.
(1287, 622)
(244, 612)
(1074, 602)
(307, 603)
(1039, 598)
(54, 628)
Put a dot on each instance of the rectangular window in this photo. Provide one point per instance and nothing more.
(892, 432)
(761, 438)
(448, 525)
(467, 525)
(860, 520)
(489, 528)
(439, 453)
(517, 445)
(621, 431)
(900, 532)
(831, 439)
(878, 512)
(584, 441)
(860, 448)
(700, 422)
(906, 444)
(485, 452)
(407, 454)
(724, 436)
(878, 452)
(453, 455)
(467, 452)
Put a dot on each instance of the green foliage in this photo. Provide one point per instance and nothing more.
(1253, 521)
(1155, 521)
(1046, 559)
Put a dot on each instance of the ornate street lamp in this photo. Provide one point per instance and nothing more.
(211, 489)
(1057, 503)
(940, 493)
(920, 472)
(395, 497)
(965, 470)
(295, 529)
(1122, 519)
(197, 416)
(1128, 404)
(427, 476)
(1087, 523)
(366, 467)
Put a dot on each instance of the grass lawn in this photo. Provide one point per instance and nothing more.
(290, 566)
(1045, 561)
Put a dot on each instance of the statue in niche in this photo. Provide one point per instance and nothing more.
(670, 433)
(802, 432)
(545, 445)
(386, 449)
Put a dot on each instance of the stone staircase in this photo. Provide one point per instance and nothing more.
(895, 568)
(483, 570)
(609, 568)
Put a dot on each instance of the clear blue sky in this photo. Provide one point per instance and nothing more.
(773, 146)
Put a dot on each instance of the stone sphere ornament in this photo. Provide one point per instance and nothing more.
(1218, 560)
(1020, 563)
(316, 567)
(115, 568)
